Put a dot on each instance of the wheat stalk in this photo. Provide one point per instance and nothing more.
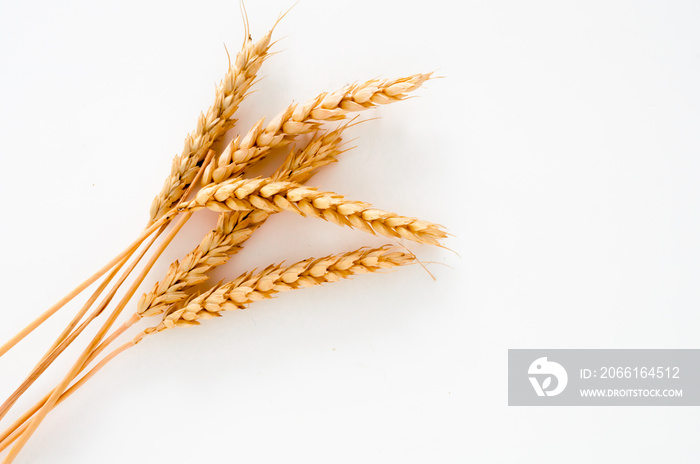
(245, 205)
(214, 123)
(268, 195)
(251, 287)
(233, 229)
(302, 119)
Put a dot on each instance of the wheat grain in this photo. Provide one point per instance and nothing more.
(268, 195)
(214, 250)
(302, 119)
(277, 278)
(233, 229)
(214, 123)
(217, 247)
(300, 165)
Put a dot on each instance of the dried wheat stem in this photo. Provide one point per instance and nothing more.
(235, 228)
(73, 323)
(63, 343)
(19, 426)
(271, 196)
(69, 335)
(11, 433)
(79, 365)
(89, 281)
(214, 123)
(302, 119)
(60, 343)
(277, 278)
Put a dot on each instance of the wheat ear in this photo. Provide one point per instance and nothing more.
(233, 229)
(214, 123)
(302, 119)
(268, 195)
(251, 287)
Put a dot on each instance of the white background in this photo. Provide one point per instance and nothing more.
(561, 150)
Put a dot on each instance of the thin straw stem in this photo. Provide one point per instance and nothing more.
(74, 322)
(47, 360)
(20, 425)
(64, 339)
(11, 431)
(89, 281)
(77, 367)
(111, 338)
